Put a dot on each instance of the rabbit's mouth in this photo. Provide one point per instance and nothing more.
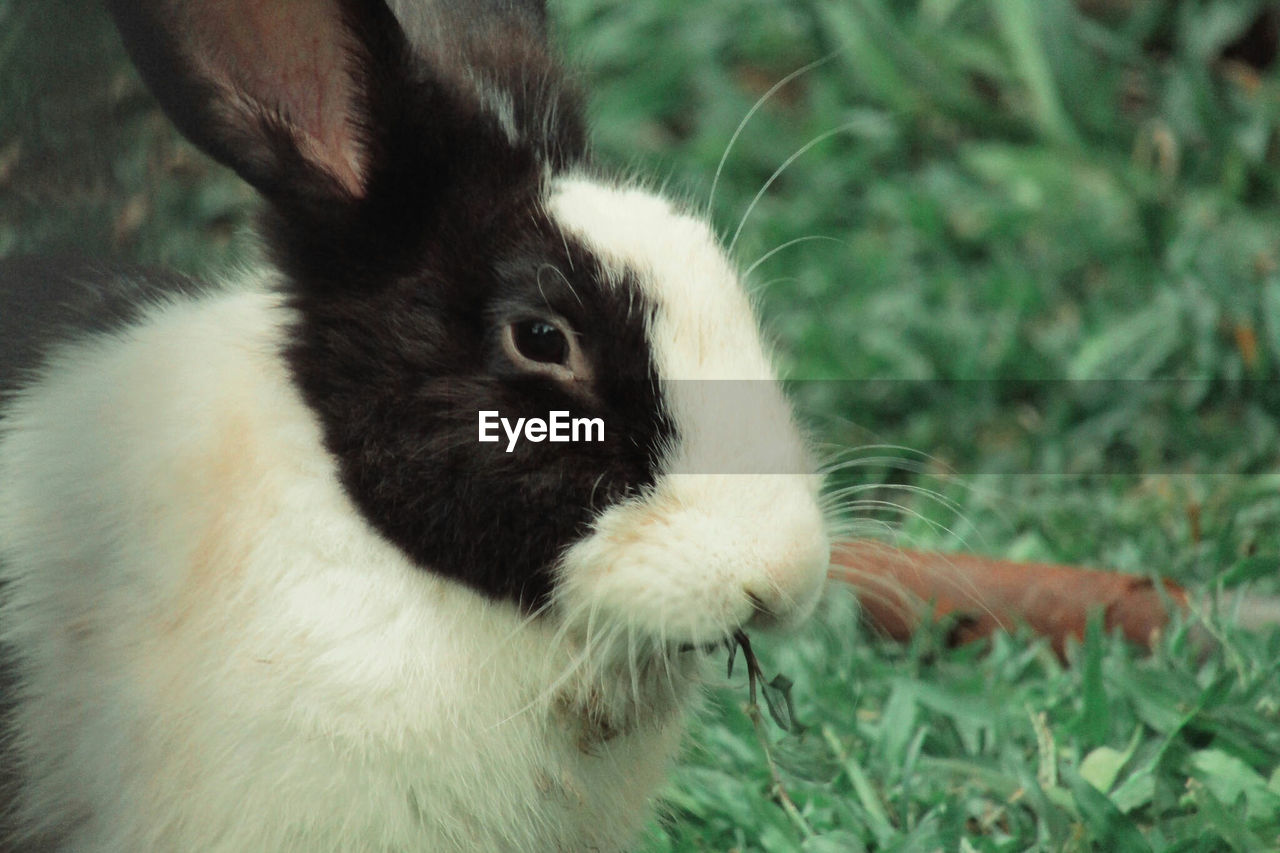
(704, 648)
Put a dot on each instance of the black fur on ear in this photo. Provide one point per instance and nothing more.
(270, 89)
(423, 19)
(360, 135)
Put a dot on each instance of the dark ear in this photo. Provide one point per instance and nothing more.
(423, 18)
(496, 52)
(273, 88)
(322, 101)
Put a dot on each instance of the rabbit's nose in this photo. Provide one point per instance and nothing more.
(784, 595)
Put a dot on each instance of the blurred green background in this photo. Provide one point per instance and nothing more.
(1052, 227)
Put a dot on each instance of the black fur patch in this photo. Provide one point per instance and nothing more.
(403, 284)
(402, 295)
(399, 372)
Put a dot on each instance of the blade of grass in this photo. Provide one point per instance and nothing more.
(1017, 25)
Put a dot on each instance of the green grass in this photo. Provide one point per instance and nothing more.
(1054, 239)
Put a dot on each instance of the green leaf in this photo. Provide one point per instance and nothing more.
(1230, 779)
(1017, 22)
(833, 842)
(1095, 713)
(1136, 791)
(1270, 299)
(1133, 348)
(1101, 767)
(1224, 820)
(1253, 568)
(1108, 826)
(777, 697)
(806, 757)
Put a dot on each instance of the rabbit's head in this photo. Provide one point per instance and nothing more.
(456, 261)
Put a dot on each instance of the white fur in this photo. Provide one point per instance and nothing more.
(220, 654)
(499, 104)
(736, 514)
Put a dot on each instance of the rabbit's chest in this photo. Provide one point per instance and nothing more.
(503, 797)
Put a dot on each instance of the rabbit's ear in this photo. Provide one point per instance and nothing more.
(353, 125)
(276, 89)
(423, 18)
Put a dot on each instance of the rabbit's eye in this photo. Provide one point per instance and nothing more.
(547, 347)
(538, 340)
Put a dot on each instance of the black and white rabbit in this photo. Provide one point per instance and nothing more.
(264, 588)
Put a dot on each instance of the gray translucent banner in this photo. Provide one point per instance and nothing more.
(974, 427)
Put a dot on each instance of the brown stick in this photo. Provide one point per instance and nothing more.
(900, 590)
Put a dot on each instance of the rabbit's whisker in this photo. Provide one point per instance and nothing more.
(800, 152)
(769, 254)
(760, 102)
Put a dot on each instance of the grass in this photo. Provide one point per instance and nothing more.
(1040, 249)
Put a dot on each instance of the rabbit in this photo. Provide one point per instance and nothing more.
(263, 587)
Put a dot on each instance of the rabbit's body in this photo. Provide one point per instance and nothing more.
(265, 590)
(288, 680)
